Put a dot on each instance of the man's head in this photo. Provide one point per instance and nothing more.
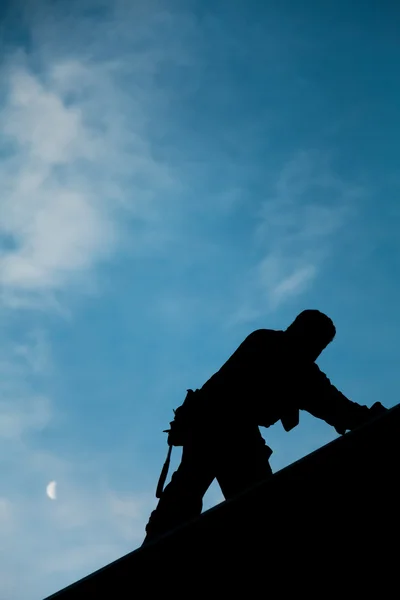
(311, 332)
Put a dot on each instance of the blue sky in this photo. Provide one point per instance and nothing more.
(175, 175)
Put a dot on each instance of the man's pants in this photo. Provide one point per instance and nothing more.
(236, 456)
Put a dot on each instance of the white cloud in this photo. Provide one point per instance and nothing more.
(44, 128)
(72, 165)
(57, 227)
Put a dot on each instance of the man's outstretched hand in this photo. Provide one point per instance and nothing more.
(375, 411)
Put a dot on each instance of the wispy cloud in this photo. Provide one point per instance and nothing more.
(282, 279)
(299, 228)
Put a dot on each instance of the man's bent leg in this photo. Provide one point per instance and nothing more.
(182, 498)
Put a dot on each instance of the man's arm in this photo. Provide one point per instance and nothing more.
(324, 401)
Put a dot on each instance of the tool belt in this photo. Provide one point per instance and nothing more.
(183, 417)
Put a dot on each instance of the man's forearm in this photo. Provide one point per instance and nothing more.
(326, 402)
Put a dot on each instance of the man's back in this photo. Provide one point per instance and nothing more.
(249, 363)
(255, 377)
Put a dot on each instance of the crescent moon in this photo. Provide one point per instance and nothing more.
(51, 490)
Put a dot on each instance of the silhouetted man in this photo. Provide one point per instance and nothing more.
(270, 377)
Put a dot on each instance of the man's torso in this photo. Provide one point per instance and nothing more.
(258, 381)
